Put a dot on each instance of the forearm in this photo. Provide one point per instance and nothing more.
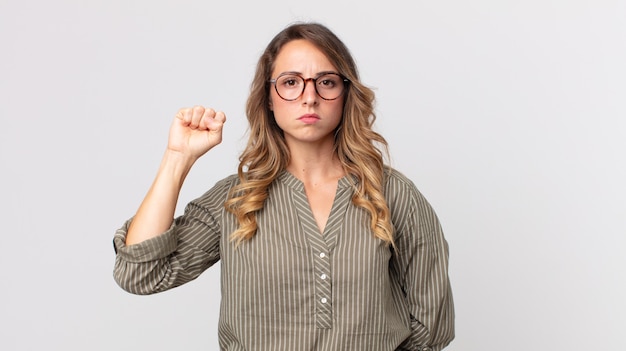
(156, 212)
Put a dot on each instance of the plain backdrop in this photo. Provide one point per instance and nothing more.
(508, 115)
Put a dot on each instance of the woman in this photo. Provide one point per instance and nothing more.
(322, 247)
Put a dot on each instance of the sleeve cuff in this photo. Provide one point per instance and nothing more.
(152, 249)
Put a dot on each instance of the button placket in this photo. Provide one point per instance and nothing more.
(323, 290)
(322, 245)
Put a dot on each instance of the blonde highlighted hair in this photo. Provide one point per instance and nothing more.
(358, 147)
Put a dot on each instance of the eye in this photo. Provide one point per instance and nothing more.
(328, 81)
(290, 81)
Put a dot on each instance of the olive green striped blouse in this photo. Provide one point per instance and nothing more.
(293, 288)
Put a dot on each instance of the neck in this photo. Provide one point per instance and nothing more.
(314, 163)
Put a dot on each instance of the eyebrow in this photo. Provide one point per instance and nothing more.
(318, 74)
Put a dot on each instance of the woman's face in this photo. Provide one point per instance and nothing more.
(309, 118)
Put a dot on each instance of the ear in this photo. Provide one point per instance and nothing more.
(270, 105)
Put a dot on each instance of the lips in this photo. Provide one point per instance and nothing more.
(309, 118)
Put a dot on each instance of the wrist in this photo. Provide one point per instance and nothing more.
(176, 164)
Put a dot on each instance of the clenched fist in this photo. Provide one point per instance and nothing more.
(196, 130)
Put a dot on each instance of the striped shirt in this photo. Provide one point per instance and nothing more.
(293, 288)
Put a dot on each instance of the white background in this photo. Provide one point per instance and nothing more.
(508, 115)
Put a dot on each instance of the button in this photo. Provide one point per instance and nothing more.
(324, 300)
(322, 255)
(323, 276)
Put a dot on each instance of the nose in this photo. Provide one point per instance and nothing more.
(309, 95)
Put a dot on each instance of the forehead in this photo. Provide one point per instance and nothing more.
(302, 56)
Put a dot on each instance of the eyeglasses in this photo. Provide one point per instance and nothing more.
(329, 85)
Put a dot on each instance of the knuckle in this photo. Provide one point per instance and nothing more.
(182, 112)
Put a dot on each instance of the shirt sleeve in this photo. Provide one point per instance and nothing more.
(421, 263)
(175, 257)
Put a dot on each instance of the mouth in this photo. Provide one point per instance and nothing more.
(309, 118)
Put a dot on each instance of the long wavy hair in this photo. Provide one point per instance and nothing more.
(358, 148)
